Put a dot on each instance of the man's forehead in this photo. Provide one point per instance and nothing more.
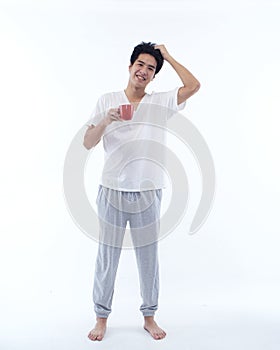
(148, 59)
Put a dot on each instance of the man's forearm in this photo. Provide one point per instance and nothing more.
(94, 134)
(184, 74)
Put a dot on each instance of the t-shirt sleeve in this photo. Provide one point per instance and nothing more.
(173, 101)
(170, 101)
(98, 113)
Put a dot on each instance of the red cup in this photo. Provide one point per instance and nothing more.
(126, 111)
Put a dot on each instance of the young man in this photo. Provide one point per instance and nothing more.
(128, 177)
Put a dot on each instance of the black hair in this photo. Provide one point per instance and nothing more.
(148, 48)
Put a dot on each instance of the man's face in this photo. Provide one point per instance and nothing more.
(143, 70)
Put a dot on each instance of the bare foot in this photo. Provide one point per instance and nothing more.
(151, 326)
(97, 333)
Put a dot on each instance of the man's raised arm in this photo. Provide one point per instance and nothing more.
(191, 84)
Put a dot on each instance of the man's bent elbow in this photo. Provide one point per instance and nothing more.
(87, 145)
(196, 86)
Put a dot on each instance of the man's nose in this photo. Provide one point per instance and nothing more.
(144, 70)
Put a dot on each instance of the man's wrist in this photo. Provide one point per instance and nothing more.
(169, 59)
(106, 121)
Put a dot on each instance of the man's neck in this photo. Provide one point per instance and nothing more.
(133, 94)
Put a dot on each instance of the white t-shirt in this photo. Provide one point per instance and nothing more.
(135, 149)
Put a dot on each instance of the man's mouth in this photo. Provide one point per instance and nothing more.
(140, 77)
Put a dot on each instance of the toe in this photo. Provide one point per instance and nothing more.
(92, 336)
(161, 335)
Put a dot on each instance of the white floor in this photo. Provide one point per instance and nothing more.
(199, 327)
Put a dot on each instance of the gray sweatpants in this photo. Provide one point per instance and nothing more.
(115, 209)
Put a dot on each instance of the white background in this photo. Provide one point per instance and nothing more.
(220, 287)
